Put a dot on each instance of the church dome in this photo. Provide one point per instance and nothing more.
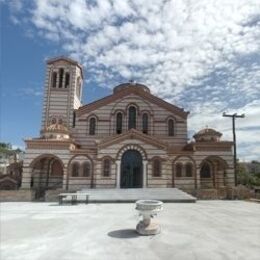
(207, 135)
(131, 84)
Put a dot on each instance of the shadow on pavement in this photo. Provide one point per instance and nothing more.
(123, 233)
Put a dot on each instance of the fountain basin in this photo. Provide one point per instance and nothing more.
(148, 209)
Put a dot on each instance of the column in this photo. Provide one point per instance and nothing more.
(63, 79)
(145, 173)
(64, 181)
(198, 177)
(118, 169)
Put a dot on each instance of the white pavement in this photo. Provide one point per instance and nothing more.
(204, 230)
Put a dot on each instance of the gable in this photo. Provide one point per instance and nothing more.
(63, 59)
(145, 95)
(132, 134)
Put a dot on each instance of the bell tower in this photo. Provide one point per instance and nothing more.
(62, 92)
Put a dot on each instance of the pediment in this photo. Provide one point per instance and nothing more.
(127, 92)
(132, 134)
(64, 59)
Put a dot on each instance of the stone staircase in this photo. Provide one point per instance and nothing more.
(132, 195)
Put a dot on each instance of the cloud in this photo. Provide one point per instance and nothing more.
(202, 55)
(15, 147)
(31, 92)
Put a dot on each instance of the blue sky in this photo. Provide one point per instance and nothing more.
(201, 55)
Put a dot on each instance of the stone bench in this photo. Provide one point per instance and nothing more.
(73, 198)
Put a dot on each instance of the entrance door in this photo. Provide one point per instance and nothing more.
(131, 170)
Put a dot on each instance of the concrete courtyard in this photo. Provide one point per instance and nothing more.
(203, 230)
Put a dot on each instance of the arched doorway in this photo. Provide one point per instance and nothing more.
(47, 173)
(212, 172)
(131, 170)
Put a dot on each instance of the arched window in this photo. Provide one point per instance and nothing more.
(132, 117)
(205, 171)
(106, 167)
(53, 120)
(61, 72)
(119, 123)
(86, 169)
(145, 123)
(67, 80)
(188, 170)
(156, 168)
(170, 127)
(75, 169)
(54, 79)
(178, 170)
(92, 126)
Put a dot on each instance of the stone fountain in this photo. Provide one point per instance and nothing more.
(148, 209)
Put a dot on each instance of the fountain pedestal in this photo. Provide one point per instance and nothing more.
(148, 209)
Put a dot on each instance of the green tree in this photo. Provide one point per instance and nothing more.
(247, 178)
(6, 146)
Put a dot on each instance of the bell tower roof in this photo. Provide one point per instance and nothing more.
(64, 58)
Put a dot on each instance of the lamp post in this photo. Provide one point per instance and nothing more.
(234, 116)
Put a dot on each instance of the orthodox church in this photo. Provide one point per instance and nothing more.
(129, 139)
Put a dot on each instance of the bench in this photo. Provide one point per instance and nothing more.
(73, 198)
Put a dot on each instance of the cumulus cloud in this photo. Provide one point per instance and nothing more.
(202, 55)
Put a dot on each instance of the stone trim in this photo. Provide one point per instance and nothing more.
(106, 157)
(46, 155)
(212, 158)
(131, 147)
(188, 156)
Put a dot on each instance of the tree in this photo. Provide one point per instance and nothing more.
(6, 146)
(246, 177)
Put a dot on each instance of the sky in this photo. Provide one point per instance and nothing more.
(202, 55)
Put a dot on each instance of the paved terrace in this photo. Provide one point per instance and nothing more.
(204, 230)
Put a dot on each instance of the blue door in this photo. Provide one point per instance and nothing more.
(131, 170)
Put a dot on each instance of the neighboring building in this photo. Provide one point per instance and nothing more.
(11, 165)
(128, 139)
(4, 162)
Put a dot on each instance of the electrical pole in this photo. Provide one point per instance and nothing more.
(234, 116)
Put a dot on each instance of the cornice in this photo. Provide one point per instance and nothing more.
(50, 144)
(212, 146)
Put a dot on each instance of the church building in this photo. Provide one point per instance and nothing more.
(129, 139)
